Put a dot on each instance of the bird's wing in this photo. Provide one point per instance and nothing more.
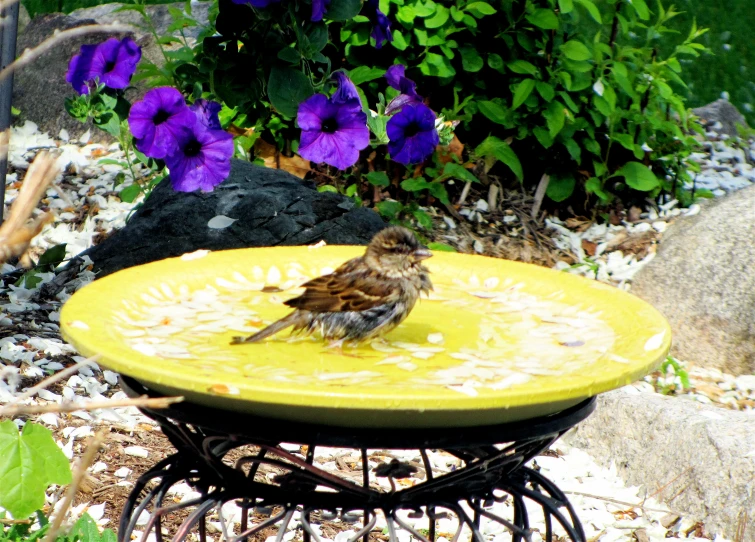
(351, 287)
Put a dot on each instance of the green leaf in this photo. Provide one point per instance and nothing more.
(30, 461)
(287, 88)
(378, 178)
(555, 117)
(389, 209)
(362, 74)
(576, 50)
(471, 60)
(439, 18)
(343, 10)
(638, 176)
(85, 529)
(543, 136)
(496, 62)
(592, 9)
(495, 112)
(327, 188)
(437, 65)
(399, 42)
(543, 18)
(458, 171)
(545, 90)
(595, 186)
(565, 6)
(289, 54)
(53, 256)
(500, 150)
(424, 219)
(414, 185)
(560, 187)
(479, 9)
(130, 193)
(522, 92)
(438, 190)
(574, 150)
(641, 8)
(625, 140)
(522, 66)
(441, 247)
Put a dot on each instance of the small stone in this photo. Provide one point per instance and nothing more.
(745, 382)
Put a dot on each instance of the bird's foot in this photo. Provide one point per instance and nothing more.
(336, 347)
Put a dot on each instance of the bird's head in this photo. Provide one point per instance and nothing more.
(395, 252)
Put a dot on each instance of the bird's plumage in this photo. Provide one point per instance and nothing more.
(365, 297)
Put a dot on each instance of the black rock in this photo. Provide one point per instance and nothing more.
(271, 207)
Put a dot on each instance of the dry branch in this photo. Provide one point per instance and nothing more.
(49, 381)
(18, 230)
(59, 408)
(78, 475)
(29, 55)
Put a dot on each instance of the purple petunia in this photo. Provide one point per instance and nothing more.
(346, 90)
(412, 134)
(319, 7)
(201, 160)
(381, 25)
(256, 3)
(408, 88)
(332, 132)
(112, 62)
(159, 121)
(207, 112)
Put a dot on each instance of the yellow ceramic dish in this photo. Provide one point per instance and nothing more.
(497, 340)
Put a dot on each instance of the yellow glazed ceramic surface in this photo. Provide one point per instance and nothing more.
(496, 341)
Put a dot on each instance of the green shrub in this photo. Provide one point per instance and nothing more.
(577, 87)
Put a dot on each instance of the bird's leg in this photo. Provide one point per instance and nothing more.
(336, 345)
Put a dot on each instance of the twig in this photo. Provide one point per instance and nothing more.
(539, 195)
(78, 475)
(464, 193)
(29, 55)
(623, 503)
(16, 232)
(49, 381)
(493, 196)
(143, 401)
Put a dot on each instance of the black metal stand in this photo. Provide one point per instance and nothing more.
(220, 454)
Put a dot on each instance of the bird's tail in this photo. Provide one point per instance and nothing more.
(270, 330)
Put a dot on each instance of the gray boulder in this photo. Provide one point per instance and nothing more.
(697, 458)
(40, 89)
(721, 116)
(271, 207)
(703, 281)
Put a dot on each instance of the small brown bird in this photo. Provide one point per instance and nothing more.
(365, 297)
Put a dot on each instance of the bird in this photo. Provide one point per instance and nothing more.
(365, 298)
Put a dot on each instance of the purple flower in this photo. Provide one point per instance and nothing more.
(319, 7)
(381, 26)
(112, 62)
(395, 77)
(159, 120)
(207, 112)
(332, 132)
(256, 3)
(201, 159)
(346, 90)
(412, 134)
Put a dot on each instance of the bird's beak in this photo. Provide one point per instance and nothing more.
(422, 254)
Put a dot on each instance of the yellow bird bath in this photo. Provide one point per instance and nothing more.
(497, 341)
